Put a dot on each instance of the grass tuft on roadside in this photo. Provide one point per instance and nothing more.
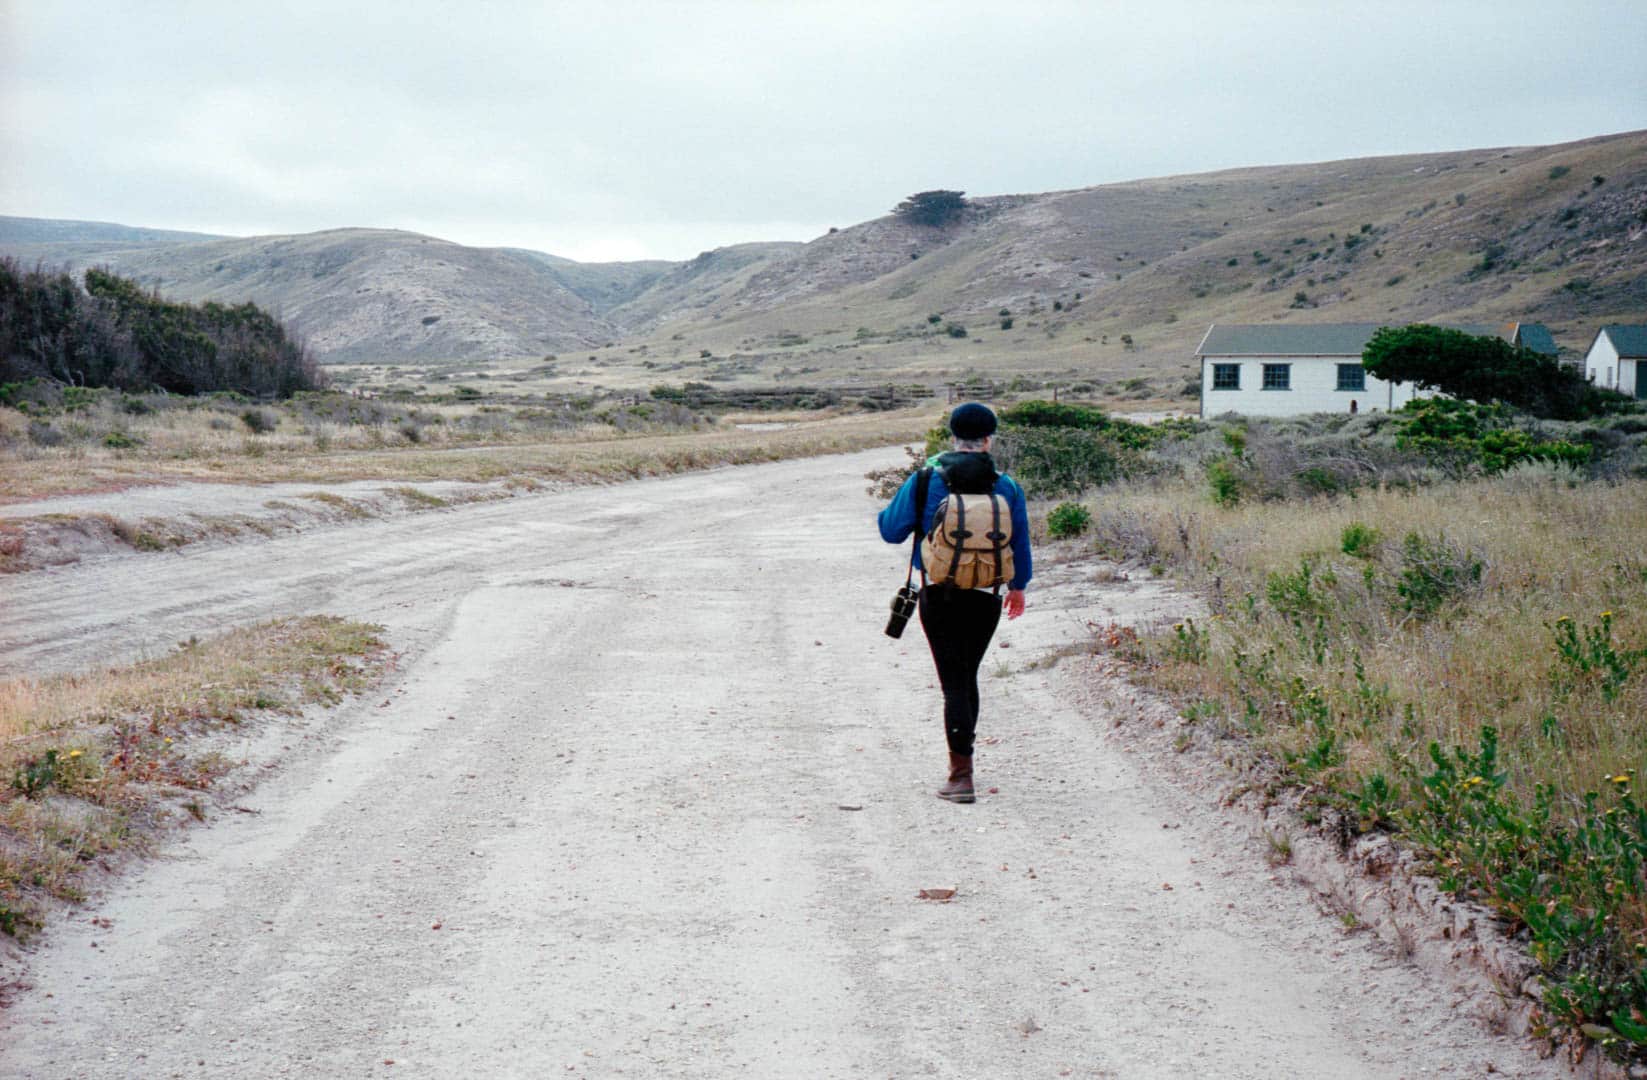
(92, 763)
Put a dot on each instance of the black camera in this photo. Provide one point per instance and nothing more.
(904, 602)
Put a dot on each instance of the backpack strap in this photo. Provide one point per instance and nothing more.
(995, 541)
(959, 538)
(923, 484)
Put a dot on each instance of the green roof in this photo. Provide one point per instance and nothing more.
(1537, 337)
(1320, 339)
(1630, 341)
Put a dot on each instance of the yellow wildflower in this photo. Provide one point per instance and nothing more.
(1621, 778)
(1606, 614)
(75, 753)
(1564, 618)
(1473, 781)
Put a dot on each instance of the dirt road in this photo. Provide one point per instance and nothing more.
(650, 796)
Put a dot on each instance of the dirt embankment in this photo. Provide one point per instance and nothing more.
(144, 520)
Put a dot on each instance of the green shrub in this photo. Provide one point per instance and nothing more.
(1062, 461)
(1359, 541)
(1501, 449)
(1068, 519)
(1435, 571)
(260, 421)
(1225, 479)
(1055, 414)
(119, 440)
(1590, 656)
(1316, 480)
(1188, 643)
(36, 775)
(1305, 593)
(1449, 429)
(955, 330)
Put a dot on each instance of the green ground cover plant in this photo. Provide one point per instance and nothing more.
(1068, 519)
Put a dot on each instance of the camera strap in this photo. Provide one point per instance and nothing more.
(923, 484)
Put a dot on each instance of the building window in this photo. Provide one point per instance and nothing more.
(1226, 376)
(1352, 377)
(1277, 376)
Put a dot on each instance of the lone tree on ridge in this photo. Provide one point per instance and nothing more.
(936, 208)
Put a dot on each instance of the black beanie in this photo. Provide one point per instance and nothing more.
(971, 421)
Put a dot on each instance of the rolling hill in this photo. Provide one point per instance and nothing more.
(1111, 278)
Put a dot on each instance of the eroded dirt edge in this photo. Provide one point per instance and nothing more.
(157, 518)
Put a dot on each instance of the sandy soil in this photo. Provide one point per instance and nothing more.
(649, 796)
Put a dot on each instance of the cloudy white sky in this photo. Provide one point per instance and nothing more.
(629, 129)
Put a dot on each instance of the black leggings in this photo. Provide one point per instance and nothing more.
(958, 625)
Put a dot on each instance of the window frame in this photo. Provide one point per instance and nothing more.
(1361, 380)
(1285, 379)
(1222, 368)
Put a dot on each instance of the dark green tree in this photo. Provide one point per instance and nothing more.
(936, 208)
(1485, 369)
(113, 333)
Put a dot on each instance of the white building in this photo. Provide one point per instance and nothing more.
(1282, 370)
(1616, 357)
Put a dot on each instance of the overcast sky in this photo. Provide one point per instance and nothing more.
(622, 130)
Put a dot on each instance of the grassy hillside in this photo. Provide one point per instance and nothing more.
(1484, 236)
(693, 290)
(382, 293)
(1112, 283)
(603, 285)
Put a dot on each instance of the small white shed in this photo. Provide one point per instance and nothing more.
(1288, 370)
(1615, 359)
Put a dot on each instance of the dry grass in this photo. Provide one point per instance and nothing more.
(1550, 551)
(29, 472)
(94, 761)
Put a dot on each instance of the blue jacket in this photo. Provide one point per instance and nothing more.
(897, 519)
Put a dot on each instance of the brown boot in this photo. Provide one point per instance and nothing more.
(959, 788)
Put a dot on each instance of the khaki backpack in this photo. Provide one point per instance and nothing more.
(970, 543)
